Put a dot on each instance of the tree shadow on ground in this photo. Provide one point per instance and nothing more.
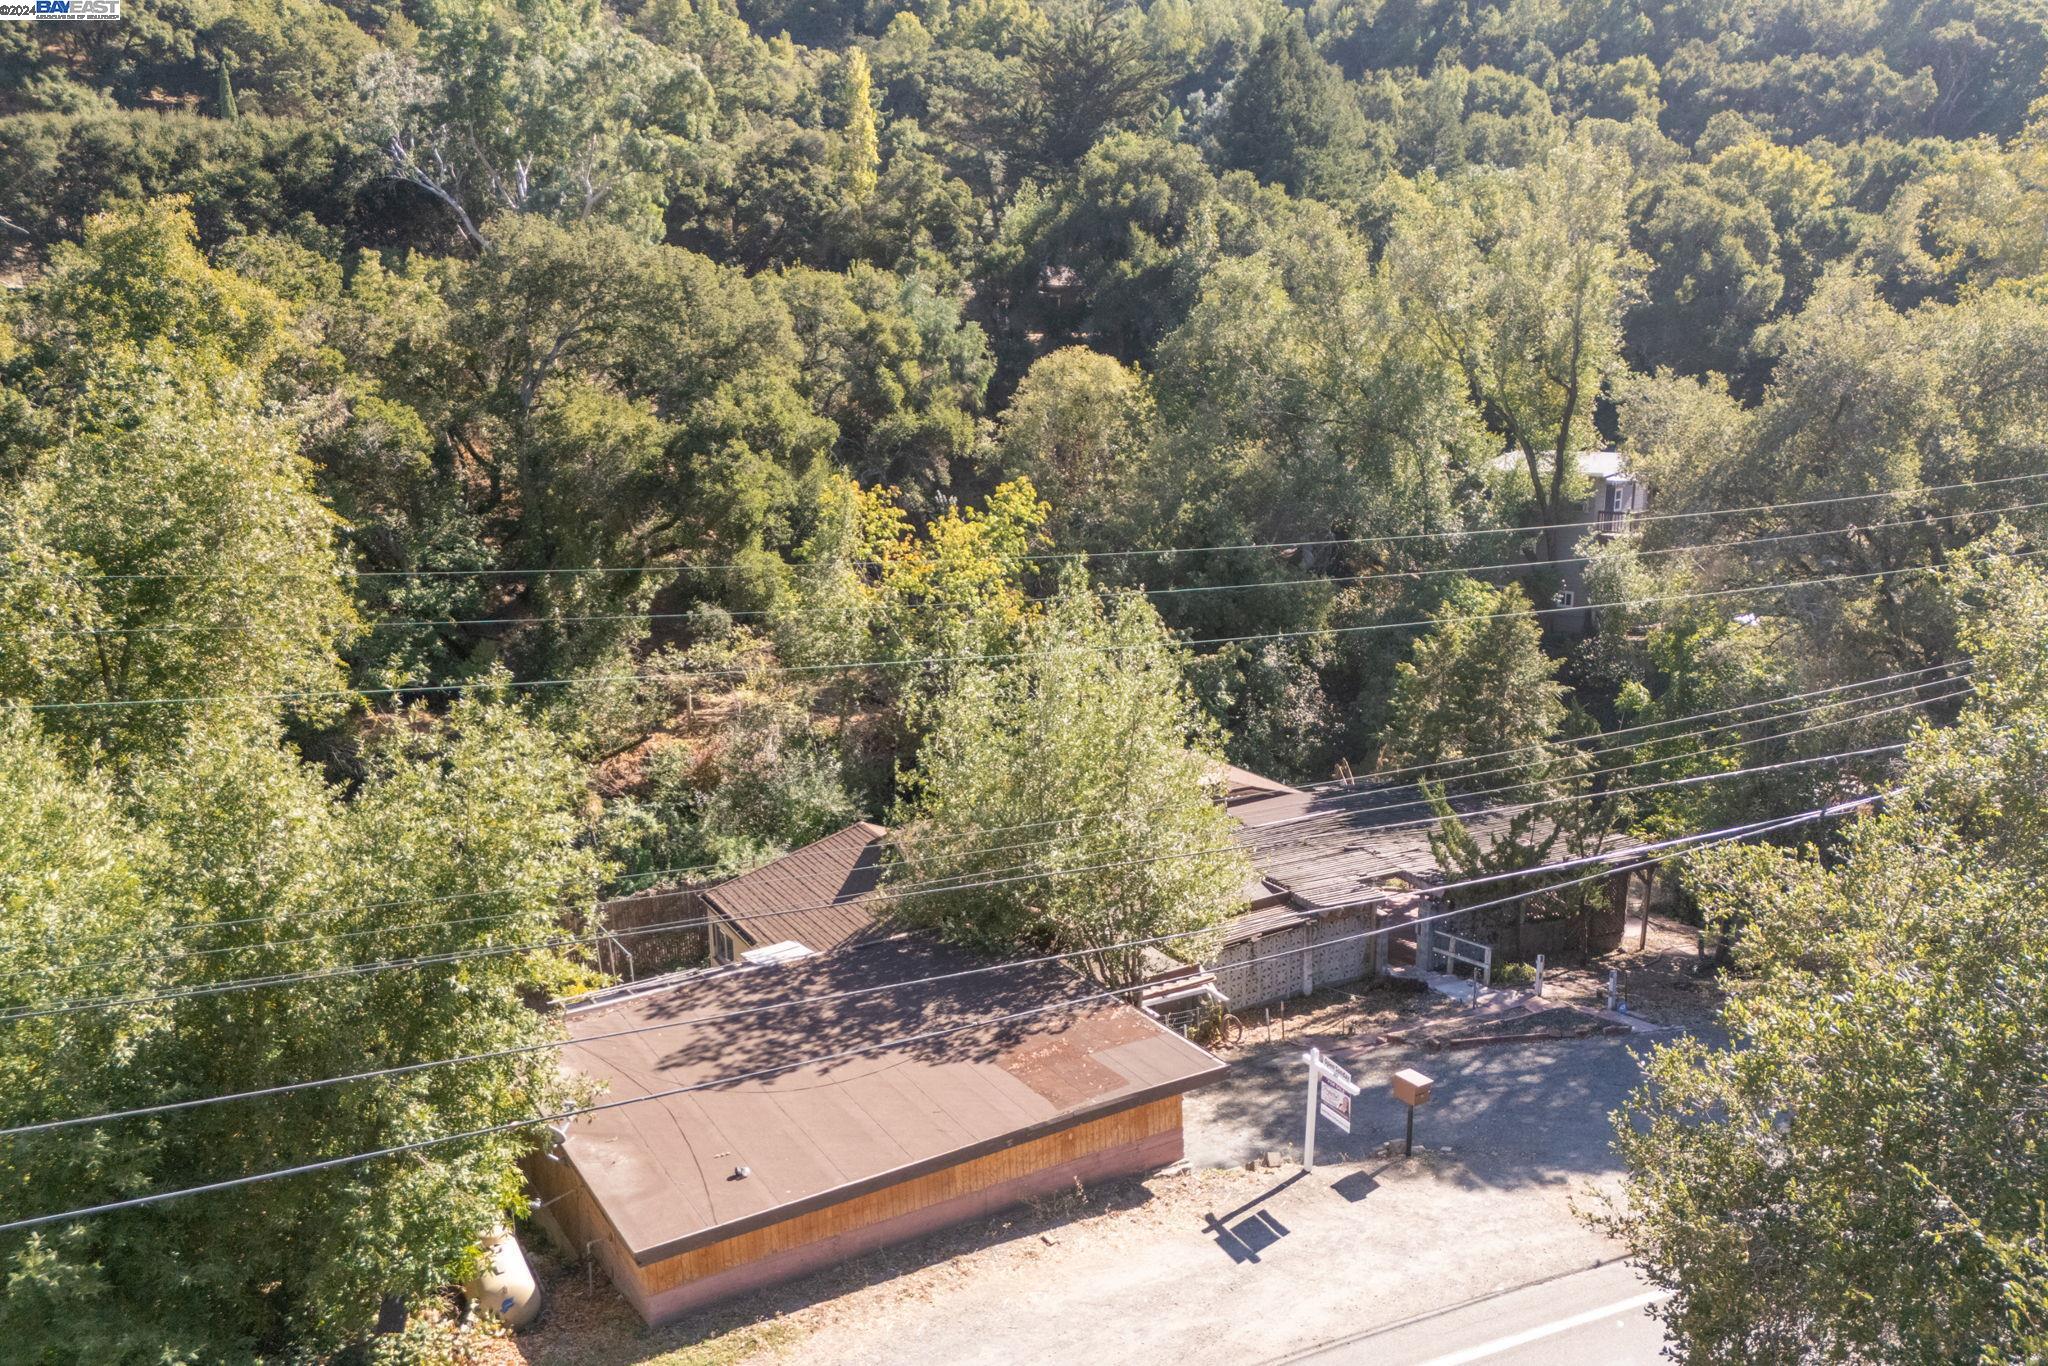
(855, 1007)
(1510, 1115)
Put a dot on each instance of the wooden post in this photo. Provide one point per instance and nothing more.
(1649, 886)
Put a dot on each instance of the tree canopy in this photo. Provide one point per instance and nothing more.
(462, 458)
(1855, 1173)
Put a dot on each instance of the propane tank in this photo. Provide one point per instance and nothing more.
(505, 1287)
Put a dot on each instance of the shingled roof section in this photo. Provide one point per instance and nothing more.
(1352, 845)
(667, 1172)
(820, 896)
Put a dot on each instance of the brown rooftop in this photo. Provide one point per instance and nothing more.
(1350, 845)
(1243, 785)
(664, 1172)
(820, 896)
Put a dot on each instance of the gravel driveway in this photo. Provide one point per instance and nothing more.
(1512, 1114)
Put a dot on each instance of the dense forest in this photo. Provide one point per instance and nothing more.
(463, 459)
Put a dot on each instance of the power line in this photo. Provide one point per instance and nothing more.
(419, 1145)
(971, 881)
(424, 623)
(1393, 538)
(1674, 843)
(48, 1009)
(331, 694)
(941, 884)
(1380, 774)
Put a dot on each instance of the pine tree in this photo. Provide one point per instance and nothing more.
(1293, 120)
(226, 69)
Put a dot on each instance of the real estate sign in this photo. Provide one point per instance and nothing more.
(1330, 1090)
(1334, 1104)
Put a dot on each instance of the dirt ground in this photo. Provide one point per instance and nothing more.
(1224, 1262)
(595, 1327)
(1658, 983)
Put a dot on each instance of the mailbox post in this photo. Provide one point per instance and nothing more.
(1412, 1088)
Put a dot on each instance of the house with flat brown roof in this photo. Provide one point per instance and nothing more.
(820, 896)
(803, 1112)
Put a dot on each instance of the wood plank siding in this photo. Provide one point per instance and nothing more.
(1142, 1138)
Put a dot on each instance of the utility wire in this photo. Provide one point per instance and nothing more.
(1675, 843)
(978, 879)
(1375, 776)
(422, 689)
(46, 1009)
(939, 884)
(1394, 538)
(423, 623)
(557, 1117)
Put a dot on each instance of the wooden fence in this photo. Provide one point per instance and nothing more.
(635, 955)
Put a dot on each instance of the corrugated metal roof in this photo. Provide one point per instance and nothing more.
(664, 1172)
(815, 896)
(1264, 921)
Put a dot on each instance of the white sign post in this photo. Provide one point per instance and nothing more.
(1330, 1090)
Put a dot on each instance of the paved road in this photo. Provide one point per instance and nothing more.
(1596, 1317)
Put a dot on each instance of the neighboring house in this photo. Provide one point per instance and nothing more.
(1616, 498)
(818, 896)
(1610, 509)
(1336, 864)
(695, 1196)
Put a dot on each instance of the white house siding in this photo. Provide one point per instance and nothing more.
(1341, 955)
(1329, 948)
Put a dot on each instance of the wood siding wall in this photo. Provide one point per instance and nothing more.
(1141, 1138)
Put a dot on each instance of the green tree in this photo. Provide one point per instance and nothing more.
(769, 783)
(1078, 426)
(1294, 405)
(1475, 684)
(1848, 1176)
(253, 175)
(1522, 282)
(1293, 121)
(896, 368)
(533, 106)
(592, 400)
(1089, 73)
(161, 534)
(460, 836)
(869, 585)
(1091, 741)
(1713, 276)
(1133, 225)
(182, 554)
